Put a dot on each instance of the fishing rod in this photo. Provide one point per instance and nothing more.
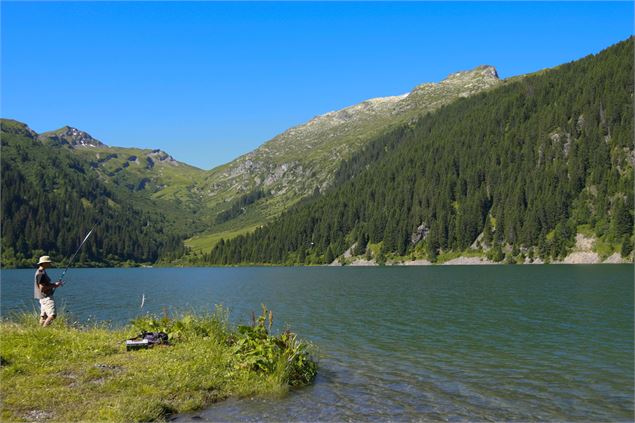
(77, 251)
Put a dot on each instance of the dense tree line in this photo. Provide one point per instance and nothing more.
(51, 199)
(519, 167)
(239, 205)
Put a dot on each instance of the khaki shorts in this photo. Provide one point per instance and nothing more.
(47, 306)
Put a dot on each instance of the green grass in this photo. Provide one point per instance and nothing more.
(550, 235)
(205, 242)
(605, 248)
(586, 230)
(163, 181)
(71, 373)
(257, 215)
(375, 248)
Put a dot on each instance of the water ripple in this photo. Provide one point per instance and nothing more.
(491, 343)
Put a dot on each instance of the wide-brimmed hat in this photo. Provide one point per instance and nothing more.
(44, 259)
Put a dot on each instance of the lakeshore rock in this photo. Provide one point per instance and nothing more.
(583, 243)
(468, 260)
(582, 257)
(363, 262)
(418, 262)
(614, 258)
(535, 261)
(583, 251)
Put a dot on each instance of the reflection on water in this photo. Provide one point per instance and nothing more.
(426, 343)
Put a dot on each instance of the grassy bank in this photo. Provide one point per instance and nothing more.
(68, 372)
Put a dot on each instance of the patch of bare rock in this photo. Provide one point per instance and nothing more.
(418, 262)
(614, 258)
(582, 257)
(363, 262)
(468, 260)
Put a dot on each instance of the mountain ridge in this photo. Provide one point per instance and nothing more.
(52, 197)
(297, 139)
(292, 165)
(304, 158)
(514, 173)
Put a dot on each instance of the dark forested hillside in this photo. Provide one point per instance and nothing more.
(51, 199)
(519, 169)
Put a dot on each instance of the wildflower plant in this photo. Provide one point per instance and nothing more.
(255, 348)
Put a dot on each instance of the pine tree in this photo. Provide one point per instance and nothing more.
(330, 255)
(627, 247)
(622, 221)
(369, 254)
(381, 257)
(487, 232)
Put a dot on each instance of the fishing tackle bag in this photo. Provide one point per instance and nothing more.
(147, 340)
(155, 338)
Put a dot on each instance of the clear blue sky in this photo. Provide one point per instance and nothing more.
(207, 82)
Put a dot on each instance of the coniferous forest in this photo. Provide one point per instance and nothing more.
(514, 172)
(51, 199)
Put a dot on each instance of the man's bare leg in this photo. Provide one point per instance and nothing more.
(42, 320)
(48, 321)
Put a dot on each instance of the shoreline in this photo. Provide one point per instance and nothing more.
(88, 374)
(470, 261)
(459, 261)
(581, 253)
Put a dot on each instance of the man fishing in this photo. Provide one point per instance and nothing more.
(44, 290)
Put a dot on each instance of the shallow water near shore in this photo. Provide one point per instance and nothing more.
(403, 343)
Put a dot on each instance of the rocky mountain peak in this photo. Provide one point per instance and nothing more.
(489, 71)
(471, 80)
(459, 84)
(73, 137)
(162, 156)
(482, 71)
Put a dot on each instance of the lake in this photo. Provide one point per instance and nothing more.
(551, 342)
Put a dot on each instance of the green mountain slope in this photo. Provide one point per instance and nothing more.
(149, 179)
(304, 158)
(240, 196)
(51, 198)
(519, 169)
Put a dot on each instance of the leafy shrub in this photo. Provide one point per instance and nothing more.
(256, 348)
(253, 347)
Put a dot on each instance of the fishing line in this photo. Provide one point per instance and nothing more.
(77, 251)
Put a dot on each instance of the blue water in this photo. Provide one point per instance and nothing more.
(549, 343)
